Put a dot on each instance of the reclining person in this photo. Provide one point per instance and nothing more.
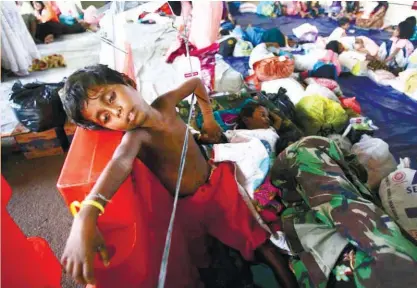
(97, 97)
(341, 237)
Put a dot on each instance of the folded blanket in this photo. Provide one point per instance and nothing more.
(251, 151)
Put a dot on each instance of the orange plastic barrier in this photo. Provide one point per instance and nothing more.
(25, 262)
(134, 225)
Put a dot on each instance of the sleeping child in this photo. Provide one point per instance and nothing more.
(98, 97)
(253, 147)
(321, 63)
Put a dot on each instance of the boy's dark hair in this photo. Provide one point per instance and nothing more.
(77, 86)
(412, 21)
(246, 112)
(343, 21)
(406, 30)
(334, 46)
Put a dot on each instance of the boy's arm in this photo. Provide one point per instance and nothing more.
(210, 126)
(85, 240)
(118, 168)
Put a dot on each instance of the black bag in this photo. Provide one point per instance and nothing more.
(37, 105)
(283, 103)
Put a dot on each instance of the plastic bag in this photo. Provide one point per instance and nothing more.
(242, 48)
(37, 105)
(398, 193)
(354, 62)
(316, 89)
(321, 116)
(283, 103)
(374, 154)
(294, 89)
(351, 103)
(328, 83)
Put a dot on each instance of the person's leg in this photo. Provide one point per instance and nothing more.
(73, 29)
(219, 207)
(270, 255)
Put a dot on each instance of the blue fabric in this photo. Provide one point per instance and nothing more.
(393, 112)
(325, 26)
(67, 20)
(227, 26)
(218, 115)
(240, 64)
(414, 37)
(253, 35)
(321, 64)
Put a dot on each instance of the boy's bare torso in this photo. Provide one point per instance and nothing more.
(161, 152)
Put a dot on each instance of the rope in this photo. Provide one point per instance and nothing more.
(165, 256)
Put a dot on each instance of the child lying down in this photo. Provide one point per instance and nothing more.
(252, 146)
(97, 97)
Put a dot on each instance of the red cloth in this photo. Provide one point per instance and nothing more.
(218, 209)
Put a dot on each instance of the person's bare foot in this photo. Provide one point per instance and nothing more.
(49, 39)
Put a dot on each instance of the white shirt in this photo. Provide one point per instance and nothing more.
(337, 34)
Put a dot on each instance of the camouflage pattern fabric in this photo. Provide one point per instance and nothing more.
(320, 188)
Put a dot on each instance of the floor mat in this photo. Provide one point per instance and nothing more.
(393, 112)
(325, 26)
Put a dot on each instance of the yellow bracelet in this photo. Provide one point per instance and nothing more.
(74, 206)
(93, 203)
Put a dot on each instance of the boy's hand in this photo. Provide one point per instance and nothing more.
(276, 121)
(84, 241)
(212, 131)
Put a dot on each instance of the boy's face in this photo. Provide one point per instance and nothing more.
(118, 107)
(259, 120)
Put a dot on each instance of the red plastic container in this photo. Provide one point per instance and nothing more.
(25, 262)
(134, 225)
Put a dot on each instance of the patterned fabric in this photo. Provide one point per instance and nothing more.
(274, 68)
(321, 191)
(377, 65)
(266, 201)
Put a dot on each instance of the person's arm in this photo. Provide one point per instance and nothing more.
(196, 86)
(392, 55)
(85, 239)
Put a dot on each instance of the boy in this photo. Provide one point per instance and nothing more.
(98, 97)
(340, 31)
